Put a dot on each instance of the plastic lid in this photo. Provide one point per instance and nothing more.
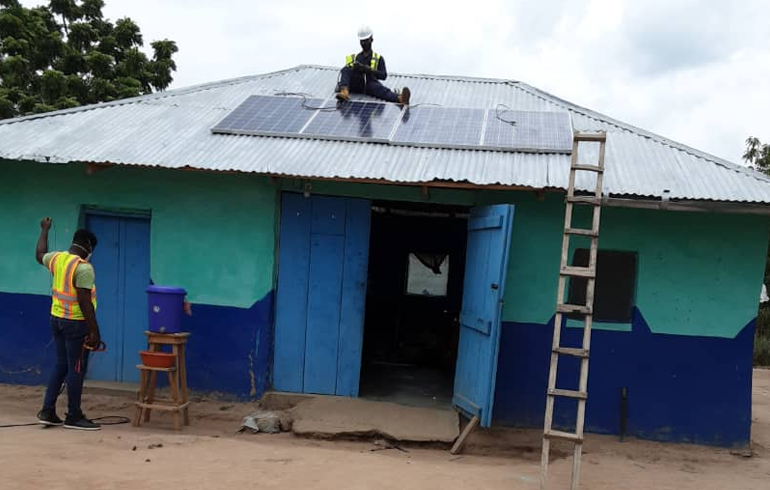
(165, 290)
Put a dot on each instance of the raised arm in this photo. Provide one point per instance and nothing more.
(42, 241)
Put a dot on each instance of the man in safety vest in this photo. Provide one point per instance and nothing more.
(73, 323)
(363, 71)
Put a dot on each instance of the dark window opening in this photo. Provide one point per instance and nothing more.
(427, 274)
(615, 289)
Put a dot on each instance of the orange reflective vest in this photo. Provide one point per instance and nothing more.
(64, 298)
(350, 60)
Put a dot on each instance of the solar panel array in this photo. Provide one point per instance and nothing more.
(422, 126)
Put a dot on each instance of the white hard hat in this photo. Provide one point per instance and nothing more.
(364, 32)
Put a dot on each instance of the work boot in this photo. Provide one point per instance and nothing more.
(80, 422)
(404, 96)
(343, 94)
(48, 417)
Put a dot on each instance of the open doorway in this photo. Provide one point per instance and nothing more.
(413, 302)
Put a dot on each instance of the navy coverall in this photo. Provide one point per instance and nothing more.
(367, 83)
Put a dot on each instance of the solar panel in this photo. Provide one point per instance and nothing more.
(441, 127)
(355, 121)
(267, 115)
(528, 131)
(365, 120)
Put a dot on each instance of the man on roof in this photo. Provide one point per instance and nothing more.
(363, 71)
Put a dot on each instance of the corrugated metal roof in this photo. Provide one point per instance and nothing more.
(172, 130)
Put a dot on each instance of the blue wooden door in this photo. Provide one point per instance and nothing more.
(489, 231)
(319, 323)
(122, 264)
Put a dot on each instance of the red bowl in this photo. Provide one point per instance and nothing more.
(157, 359)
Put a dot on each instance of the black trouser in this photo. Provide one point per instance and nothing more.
(361, 84)
(68, 336)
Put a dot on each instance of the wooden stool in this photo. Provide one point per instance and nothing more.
(177, 380)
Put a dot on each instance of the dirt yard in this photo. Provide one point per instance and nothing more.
(210, 455)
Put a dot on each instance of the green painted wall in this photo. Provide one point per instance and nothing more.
(699, 274)
(210, 233)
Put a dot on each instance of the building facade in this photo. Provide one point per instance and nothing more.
(337, 267)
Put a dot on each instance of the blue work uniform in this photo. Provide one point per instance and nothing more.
(368, 83)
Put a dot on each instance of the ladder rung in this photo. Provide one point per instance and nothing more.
(590, 137)
(581, 395)
(589, 168)
(571, 351)
(597, 201)
(581, 232)
(568, 308)
(578, 272)
(567, 436)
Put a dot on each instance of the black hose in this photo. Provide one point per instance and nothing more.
(106, 420)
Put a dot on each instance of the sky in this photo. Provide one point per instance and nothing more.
(695, 71)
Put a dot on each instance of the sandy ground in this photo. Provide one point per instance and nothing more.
(327, 416)
(210, 455)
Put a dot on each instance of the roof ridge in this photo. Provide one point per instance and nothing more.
(425, 76)
(229, 81)
(597, 116)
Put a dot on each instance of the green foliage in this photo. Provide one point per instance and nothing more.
(66, 54)
(757, 154)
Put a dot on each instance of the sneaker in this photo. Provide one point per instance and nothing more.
(80, 423)
(404, 96)
(343, 94)
(48, 417)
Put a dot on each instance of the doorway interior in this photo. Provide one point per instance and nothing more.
(413, 301)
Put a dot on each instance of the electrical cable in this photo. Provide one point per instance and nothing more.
(333, 108)
(111, 420)
(500, 117)
(304, 101)
(18, 425)
(106, 420)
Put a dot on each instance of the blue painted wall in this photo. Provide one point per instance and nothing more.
(680, 388)
(229, 351)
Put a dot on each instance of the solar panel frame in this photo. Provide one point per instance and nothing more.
(555, 128)
(268, 115)
(326, 124)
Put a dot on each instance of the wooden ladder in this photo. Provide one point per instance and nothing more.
(562, 307)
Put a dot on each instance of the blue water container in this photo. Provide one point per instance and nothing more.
(165, 306)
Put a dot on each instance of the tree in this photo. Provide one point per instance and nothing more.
(757, 154)
(66, 54)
